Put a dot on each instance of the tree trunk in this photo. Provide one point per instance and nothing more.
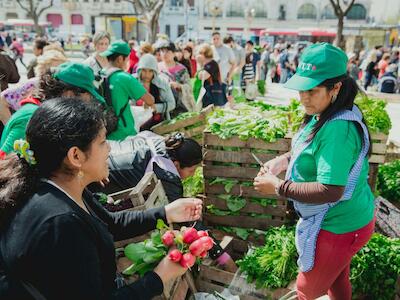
(339, 34)
(38, 29)
(152, 27)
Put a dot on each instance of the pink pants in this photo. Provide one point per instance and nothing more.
(331, 271)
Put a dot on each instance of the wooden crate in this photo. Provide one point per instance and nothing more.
(148, 193)
(191, 127)
(211, 278)
(177, 289)
(244, 170)
(378, 157)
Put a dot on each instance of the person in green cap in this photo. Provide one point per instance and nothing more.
(326, 174)
(120, 87)
(69, 80)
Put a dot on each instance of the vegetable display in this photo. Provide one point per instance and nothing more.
(375, 269)
(389, 181)
(182, 116)
(184, 247)
(275, 264)
(248, 122)
(375, 114)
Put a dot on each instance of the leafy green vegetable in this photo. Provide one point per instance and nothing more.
(375, 269)
(234, 203)
(182, 116)
(374, 112)
(247, 122)
(218, 212)
(228, 183)
(389, 180)
(264, 201)
(273, 265)
(145, 255)
(194, 185)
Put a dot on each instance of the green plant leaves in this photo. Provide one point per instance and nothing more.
(234, 203)
(389, 180)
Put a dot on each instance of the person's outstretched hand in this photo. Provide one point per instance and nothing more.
(184, 210)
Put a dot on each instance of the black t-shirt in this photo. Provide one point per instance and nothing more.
(213, 69)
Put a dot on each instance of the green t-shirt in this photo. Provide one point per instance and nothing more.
(124, 88)
(328, 160)
(16, 127)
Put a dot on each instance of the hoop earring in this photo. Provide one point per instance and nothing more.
(333, 99)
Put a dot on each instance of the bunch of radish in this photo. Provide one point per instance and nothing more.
(187, 245)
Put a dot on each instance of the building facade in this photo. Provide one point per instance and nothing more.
(177, 16)
(79, 16)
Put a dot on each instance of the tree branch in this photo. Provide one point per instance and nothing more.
(349, 7)
(139, 8)
(23, 7)
(45, 7)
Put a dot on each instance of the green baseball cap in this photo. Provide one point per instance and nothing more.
(119, 47)
(79, 75)
(318, 63)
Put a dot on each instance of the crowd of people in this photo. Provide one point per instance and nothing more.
(70, 132)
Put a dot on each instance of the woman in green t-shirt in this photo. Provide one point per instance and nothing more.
(326, 175)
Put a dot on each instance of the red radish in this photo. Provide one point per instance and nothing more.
(197, 247)
(175, 255)
(187, 260)
(207, 242)
(201, 233)
(168, 238)
(190, 235)
(203, 254)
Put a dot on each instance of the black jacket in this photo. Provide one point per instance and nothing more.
(65, 253)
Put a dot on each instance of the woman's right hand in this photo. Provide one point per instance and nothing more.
(169, 270)
(275, 166)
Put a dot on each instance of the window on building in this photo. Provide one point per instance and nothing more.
(168, 30)
(260, 7)
(357, 12)
(328, 12)
(235, 9)
(76, 19)
(282, 12)
(176, 3)
(181, 29)
(11, 15)
(55, 19)
(307, 11)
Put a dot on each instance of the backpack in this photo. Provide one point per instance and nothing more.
(112, 116)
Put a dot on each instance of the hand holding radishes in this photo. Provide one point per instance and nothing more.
(184, 247)
(183, 210)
